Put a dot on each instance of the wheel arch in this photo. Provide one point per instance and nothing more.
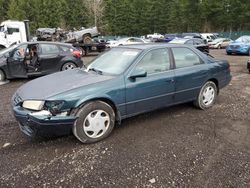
(216, 83)
(2, 46)
(87, 34)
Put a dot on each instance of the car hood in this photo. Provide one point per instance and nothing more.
(240, 43)
(51, 85)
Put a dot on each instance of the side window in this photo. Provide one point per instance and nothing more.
(49, 49)
(185, 57)
(197, 42)
(138, 40)
(155, 61)
(189, 42)
(66, 49)
(19, 52)
(11, 30)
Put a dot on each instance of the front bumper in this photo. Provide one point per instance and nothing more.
(237, 51)
(34, 125)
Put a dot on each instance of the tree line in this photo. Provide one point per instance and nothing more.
(132, 17)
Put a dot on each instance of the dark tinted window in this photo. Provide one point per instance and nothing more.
(49, 49)
(12, 30)
(155, 61)
(185, 57)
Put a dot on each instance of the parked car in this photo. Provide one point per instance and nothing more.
(219, 43)
(123, 82)
(190, 35)
(167, 38)
(196, 42)
(18, 61)
(209, 37)
(126, 41)
(239, 46)
(155, 36)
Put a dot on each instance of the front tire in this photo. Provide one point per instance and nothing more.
(2, 75)
(95, 122)
(207, 96)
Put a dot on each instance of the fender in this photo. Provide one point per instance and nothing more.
(119, 110)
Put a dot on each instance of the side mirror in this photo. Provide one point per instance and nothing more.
(138, 73)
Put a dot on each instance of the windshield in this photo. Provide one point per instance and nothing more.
(243, 39)
(6, 50)
(115, 61)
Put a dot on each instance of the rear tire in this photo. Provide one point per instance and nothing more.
(228, 53)
(68, 66)
(2, 76)
(95, 122)
(207, 96)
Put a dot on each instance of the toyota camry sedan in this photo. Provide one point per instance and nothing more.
(121, 83)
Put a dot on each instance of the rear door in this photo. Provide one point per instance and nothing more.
(16, 62)
(49, 58)
(190, 74)
(156, 89)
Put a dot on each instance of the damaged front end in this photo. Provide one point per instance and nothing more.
(43, 118)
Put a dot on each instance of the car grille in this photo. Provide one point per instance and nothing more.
(17, 99)
(234, 46)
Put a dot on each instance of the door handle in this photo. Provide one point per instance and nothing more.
(169, 80)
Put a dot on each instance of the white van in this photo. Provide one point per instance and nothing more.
(209, 37)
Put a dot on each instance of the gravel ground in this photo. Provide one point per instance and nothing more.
(179, 146)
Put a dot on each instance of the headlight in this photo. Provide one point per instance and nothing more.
(33, 105)
(54, 106)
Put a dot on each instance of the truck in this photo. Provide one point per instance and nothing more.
(83, 39)
(13, 32)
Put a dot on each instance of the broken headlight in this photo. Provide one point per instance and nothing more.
(54, 106)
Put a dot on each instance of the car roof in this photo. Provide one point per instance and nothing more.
(151, 46)
(47, 42)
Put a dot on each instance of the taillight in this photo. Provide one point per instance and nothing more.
(76, 53)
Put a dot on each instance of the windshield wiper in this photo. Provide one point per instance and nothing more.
(96, 70)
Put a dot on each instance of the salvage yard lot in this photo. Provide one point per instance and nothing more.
(174, 147)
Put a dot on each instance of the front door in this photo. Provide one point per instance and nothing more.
(153, 91)
(16, 62)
